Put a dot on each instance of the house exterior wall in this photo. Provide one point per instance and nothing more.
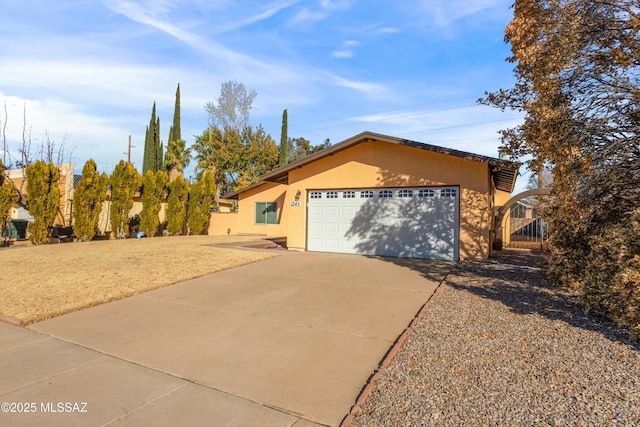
(104, 220)
(370, 165)
(244, 222)
(379, 164)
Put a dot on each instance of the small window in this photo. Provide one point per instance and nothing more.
(426, 193)
(315, 195)
(448, 192)
(383, 194)
(332, 195)
(266, 212)
(366, 194)
(405, 193)
(349, 195)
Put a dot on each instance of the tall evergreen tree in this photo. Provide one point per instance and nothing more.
(177, 205)
(284, 141)
(201, 197)
(159, 162)
(174, 131)
(43, 198)
(87, 201)
(124, 181)
(150, 149)
(153, 185)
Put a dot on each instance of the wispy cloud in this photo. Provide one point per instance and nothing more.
(444, 12)
(269, 11)
(308, 15)
(347, 50)
(342, 54)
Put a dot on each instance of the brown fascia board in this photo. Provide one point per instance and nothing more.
(281, 175)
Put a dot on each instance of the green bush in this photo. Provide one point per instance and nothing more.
(124, 181)
(177, 205)
(87, 201)
(153, 186)
(43, 199)
(201, 197)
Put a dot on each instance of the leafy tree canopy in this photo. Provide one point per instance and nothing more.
(577, 69)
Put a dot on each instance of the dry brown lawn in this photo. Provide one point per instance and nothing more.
(40, 282)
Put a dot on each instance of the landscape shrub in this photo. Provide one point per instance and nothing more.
(177, 205)
(88, 196)
(43, 199)
(153, 186)
(201, 198)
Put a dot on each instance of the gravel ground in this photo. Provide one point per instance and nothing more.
(499, 346)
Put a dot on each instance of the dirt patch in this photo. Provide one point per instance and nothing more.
(40, 282)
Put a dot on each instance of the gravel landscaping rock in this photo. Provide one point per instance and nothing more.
(500, 346)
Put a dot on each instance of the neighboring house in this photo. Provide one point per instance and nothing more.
(65, 184)
(378, 195)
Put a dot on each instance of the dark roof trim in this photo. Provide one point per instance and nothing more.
(504, 172)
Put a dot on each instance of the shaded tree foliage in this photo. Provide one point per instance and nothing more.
(284, 141)
(577, 69)
(300, 148)
(43, 199)
(177, 205)
(88, 196)
(153, 186)
(206, 149)
(153, 155)
(201, 198)
(177, 157)
(124, 181)
(175, 132)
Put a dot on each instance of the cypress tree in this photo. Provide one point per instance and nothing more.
(158, 163)
(177, 205)
(174, 131)
(124, 181)
(201, 197)
(153, 185)
(87, 201)
(150, 147)
(43, 198)
(284, 141)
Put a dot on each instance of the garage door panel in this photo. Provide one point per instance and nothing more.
(331, 227)
(422, 224)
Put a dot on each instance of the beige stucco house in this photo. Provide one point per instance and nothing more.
(65, 184)
(378, 195)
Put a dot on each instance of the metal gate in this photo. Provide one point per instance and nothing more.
(524, 227)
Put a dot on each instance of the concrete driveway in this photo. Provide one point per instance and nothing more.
(287, 341)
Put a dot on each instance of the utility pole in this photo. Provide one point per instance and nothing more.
(129, 150)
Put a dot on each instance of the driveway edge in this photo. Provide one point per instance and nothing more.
(390, 355)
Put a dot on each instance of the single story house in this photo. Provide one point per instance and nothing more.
(378, 195)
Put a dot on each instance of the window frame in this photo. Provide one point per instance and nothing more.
(270, 213)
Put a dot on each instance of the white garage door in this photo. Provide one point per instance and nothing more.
(401, 222)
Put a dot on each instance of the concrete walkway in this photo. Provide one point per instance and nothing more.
(287, 341)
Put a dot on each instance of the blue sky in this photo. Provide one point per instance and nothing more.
(88, 71)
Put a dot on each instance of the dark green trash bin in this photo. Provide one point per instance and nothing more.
(18, 229)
